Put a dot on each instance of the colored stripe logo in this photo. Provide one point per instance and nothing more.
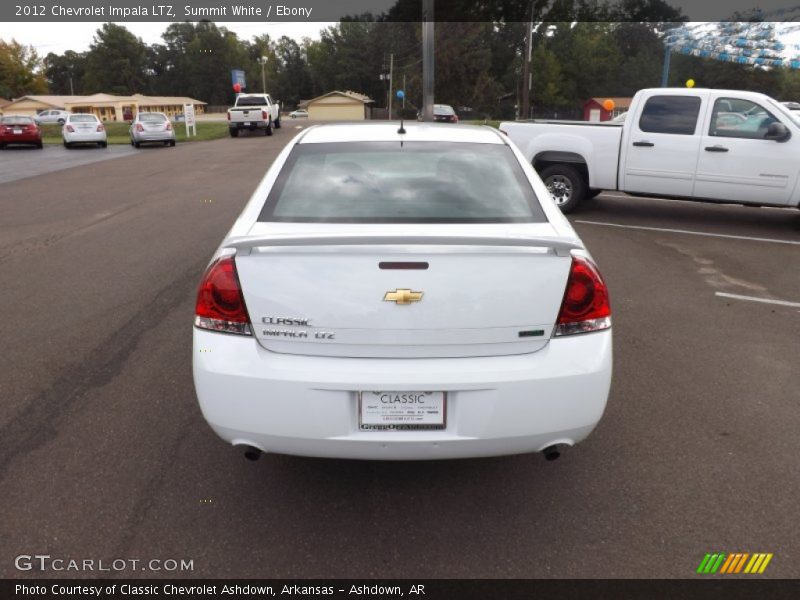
(737, 562)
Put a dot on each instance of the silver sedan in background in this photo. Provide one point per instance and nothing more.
(152, 127)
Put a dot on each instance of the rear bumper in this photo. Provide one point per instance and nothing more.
(252, 124)
(23, 138)
(85, 138)
(308, 406)
(154, 136)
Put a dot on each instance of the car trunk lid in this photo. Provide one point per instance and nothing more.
(403, 296)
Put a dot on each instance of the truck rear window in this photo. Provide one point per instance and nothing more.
(418, 182)
(251, 101)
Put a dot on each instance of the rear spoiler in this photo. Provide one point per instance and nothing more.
(560, 247)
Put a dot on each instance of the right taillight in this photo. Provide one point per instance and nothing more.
(220, 304)
(70, 128)
(139, 127)
(585, 306)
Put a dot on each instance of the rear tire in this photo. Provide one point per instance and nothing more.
(278, 123)
(268, 130)
(172, 143)
(67, 145)
(104, 144)
(566, 186)
(233, 131)
(40, 145)
(137, 144)
(2, 146)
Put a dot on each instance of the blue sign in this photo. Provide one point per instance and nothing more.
(238, 77)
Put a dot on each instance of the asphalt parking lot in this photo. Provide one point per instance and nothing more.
(20, 162)
(104, 453)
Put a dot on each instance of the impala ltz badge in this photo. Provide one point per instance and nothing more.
(402, 296)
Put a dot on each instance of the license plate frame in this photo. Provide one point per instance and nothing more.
(401, 416)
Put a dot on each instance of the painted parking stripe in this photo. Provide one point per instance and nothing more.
(757, 299)
(689, 232)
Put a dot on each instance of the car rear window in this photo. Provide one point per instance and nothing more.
(416, 182)
(251, 101)
(152, 117)
(16, 120)
(83, 118)
(443, 109)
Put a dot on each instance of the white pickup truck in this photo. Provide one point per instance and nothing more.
(254, 111)
(694, 144)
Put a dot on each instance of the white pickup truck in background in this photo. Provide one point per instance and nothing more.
(254, 111)
(695, 144)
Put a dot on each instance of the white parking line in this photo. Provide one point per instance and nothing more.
(689, 232)
(756, 299)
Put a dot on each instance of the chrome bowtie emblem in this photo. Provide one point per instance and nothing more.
(402, 296)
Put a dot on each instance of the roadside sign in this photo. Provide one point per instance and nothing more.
(188, 119)
(237, 76)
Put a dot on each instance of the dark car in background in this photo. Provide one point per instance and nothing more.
(19, 130)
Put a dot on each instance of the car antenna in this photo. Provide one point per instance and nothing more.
(400, 95)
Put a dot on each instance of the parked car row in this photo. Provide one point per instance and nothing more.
(84, 129)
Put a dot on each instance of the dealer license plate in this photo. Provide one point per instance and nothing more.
(402, 410)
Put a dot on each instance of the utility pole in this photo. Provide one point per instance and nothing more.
(525, 108)
(263, 62)
(391, 74)
(427, 60)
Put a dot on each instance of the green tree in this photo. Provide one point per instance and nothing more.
(65, 72)
(116, 62)
(20, 70)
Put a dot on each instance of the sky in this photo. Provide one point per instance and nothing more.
(59, 37)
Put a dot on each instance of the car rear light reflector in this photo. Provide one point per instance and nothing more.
(586, 305)
(220, 304)
(70, 128)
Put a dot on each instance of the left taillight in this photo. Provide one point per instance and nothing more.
(220, 303)
(100, 127)
(586, 306)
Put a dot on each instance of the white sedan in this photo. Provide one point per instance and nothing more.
(83, 128)
(390, 296)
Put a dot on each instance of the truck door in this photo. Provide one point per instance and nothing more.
(659, 153)
(737, 162)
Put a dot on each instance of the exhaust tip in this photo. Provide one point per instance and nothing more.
(252, 453)
(551, 453)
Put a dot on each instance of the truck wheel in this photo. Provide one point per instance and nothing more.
(278, 123)
(268, 130)
(566, 186)
(234, 132)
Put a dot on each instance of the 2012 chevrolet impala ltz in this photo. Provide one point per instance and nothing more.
(402, 294)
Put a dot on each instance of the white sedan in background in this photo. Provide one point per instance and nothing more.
(151, 127)
(83, 128)
(413, 295)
